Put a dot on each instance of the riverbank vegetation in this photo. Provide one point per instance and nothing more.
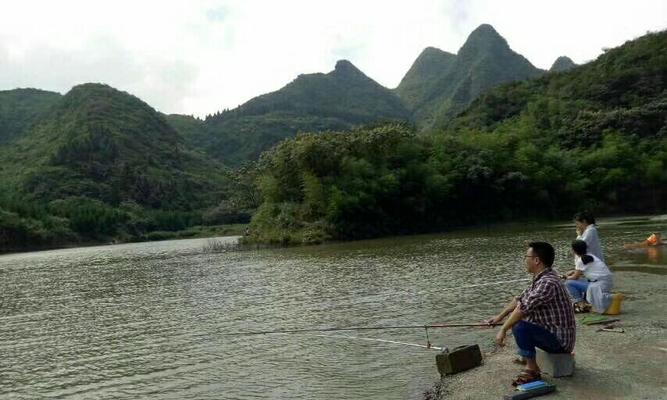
(388, 180)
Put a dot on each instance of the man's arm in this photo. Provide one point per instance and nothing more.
(510, 308)
(515, 317)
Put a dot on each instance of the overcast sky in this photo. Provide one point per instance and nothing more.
(198, 57)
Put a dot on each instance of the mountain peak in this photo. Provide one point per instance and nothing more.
(484, 37)
(346, 68)
(433, 51)
(562, 63)
(485, 31)
(97, 96)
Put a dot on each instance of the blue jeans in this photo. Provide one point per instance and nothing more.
(528, 336)
(577, 288)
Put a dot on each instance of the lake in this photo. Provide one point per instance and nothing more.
(157, 320)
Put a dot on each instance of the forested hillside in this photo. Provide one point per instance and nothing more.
(101, 163)
(594, 137)
(98, 164)
(20, 108)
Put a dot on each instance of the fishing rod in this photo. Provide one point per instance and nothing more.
(364, 328)
(428, 346)
(350, 328)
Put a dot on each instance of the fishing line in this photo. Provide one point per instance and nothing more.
(364, 328)
(492, 283)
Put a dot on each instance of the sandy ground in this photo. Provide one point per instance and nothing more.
(609, 365)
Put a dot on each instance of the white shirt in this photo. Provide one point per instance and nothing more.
(594, 270)
(590, 236)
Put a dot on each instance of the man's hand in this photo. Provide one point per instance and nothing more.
(494, 321)
(500, 337)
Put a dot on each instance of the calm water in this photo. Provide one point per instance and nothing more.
(148, 320)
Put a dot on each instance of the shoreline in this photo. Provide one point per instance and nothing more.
(198, 232)
(609, 365)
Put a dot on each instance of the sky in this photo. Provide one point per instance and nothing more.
(201, 56)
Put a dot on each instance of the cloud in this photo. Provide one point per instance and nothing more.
(160, 81)
(217, 14)
(201, 56)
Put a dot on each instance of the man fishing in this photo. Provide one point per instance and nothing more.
(542, 316)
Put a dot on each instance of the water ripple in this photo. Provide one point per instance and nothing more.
(149, 320)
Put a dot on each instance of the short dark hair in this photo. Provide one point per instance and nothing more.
(545, 252)
(579, 247)
(584, 216)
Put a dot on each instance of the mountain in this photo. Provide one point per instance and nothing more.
(438, 86)
(562, 64)
(340, 99)
(623, 92)
(593, 137)
(20, 109)
(484, 61)
(99, 143)
(428, 67)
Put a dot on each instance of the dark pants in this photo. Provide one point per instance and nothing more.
(528, 336)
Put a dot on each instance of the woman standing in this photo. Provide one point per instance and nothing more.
(587, 231)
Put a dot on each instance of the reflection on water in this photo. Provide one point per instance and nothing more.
(651, 260)
(146, 320)
(659, 270)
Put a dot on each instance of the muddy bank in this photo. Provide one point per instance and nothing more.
(610, 365)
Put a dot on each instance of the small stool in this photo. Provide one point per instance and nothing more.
(556, 365)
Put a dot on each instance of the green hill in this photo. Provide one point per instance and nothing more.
(623, 90)
(107, 163)
(343, 98)
(107, 145)
(20, 109)
(484, 61)
(610, 114)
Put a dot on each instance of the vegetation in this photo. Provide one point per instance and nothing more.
(20, 108)
(102, 165)
(594, 137)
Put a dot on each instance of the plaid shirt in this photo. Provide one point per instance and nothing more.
(547, 304)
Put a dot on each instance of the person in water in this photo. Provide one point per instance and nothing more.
(655, 239)
(597, 284)
(587, 231)
(542, 316)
